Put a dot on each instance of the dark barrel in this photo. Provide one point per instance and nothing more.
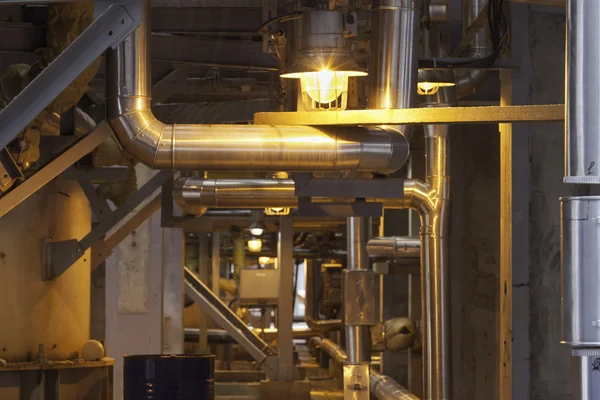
(169, 377)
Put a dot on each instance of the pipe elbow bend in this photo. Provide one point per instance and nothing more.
(384, 140)
(140, 134)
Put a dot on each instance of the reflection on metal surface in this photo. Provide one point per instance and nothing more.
(396, 247)
(580, 274)
(582, 127)
(231, 147)
(356, 382)
(440, 115)
(385, 388)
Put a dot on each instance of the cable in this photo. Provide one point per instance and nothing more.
(281, 18)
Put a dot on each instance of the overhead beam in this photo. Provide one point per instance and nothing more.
(442, 115)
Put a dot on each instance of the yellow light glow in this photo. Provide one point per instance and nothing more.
(255, 245)
(264, 260)
(427, 88)
(277, 211)
(324, 86)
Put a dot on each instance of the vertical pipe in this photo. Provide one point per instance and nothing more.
(434, 261)
(394, 54)
(357, 337)
(285, 312)
(582, 139)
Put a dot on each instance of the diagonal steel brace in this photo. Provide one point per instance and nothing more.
(59, 256)
(106, 31)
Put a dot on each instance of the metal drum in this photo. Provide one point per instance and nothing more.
(169, 377)
(586, 374)
(580, 256)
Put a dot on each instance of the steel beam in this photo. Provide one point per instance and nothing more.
(285, 311)
(54, 168)
(107, 30)
(61, 255)
(228, 320)
(418, 116)
(103, 247)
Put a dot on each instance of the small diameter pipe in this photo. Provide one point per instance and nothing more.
(394, 247)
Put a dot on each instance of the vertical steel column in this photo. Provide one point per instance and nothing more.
(203, 275)
(285, 312)
(216, 262)
(172, 265)
(358, 286)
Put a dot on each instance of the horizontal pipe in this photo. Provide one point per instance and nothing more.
(195, 195)
(232, 147)
(382, 386)
(394, 247)
(385, 388)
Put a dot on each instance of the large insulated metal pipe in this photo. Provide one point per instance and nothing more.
(582, 122)
(358, 340)
(195, 195)
(394, 54)
(580, 235)
(231, 147)
(467, 81)
(394, 247)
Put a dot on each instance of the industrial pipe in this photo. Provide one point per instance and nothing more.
(394, 56)
(385, 388)
(358, 340)
(394, 247)
(382, 386)
(311, 312)
(232, 147)
(194, 195)
(582, 124)
(467, 81)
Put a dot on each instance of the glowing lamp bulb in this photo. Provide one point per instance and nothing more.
(428, 88)
(255, 245)
(325, 86)
(264, 260)
(256, 231)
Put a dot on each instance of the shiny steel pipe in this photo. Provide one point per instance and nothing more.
(394, 247)
(194, 195)
(580, 256)
(385, 388)
(358, 339)
(332, 349)
(467, 81)
(582, 124)
(394, 55)
(586, 379)
(231, 147)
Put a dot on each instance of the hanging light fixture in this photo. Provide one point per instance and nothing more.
(430, 81)
(254, 245)
(324, 64)
(257, 226)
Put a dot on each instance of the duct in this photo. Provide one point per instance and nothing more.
(393, 64)
(232, 147)
(394, 247)
(333, 350)
(467, 81)
(194, 194)
(582, 128)
(311, 314)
